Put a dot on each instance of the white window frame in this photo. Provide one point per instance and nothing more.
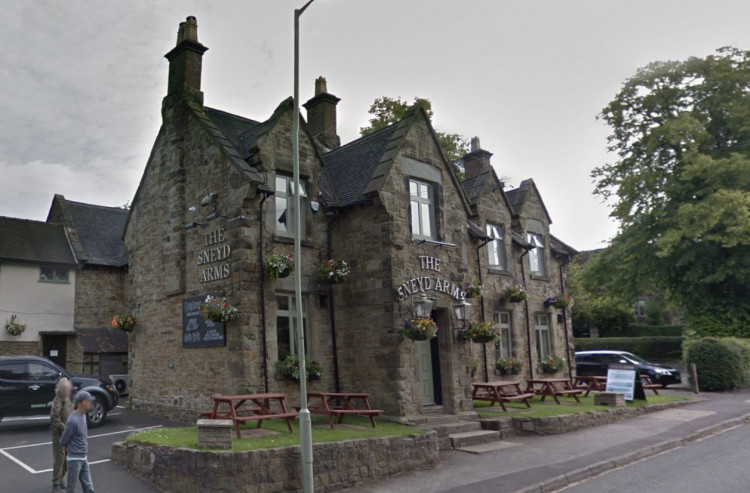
(421, 204)
(291, 315)
(503, 321)
(543, 335)
(495, 250)
(284, 202)
(640, 308)
(56, 275)
(537, 265)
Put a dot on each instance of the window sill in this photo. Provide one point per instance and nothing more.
(537, 277)
(50, 281)
(290, 240)
(501, 272)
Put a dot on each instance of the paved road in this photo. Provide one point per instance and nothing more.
(718, 465)
(26, 454)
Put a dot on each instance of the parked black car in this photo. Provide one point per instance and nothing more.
(27, 388)
(596, 363)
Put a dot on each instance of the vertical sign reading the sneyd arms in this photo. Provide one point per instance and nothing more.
(216, 251)
(433, 282)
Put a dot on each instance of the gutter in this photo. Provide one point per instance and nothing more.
(528, 321)
(267, 192)
(487, 240)
(565, 321)
(331, 312)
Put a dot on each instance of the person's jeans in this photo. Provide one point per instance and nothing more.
(79, 470)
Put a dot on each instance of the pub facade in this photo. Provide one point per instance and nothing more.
(216, 201)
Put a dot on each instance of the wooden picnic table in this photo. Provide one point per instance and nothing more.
(500, 392)
(553, 387)
(239, 413)
(592, 383)
(341, 404)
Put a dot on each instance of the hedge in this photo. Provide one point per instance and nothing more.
(722, 364)
(650, 348)
(643, 330)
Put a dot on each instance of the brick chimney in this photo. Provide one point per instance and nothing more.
(321, 115)
(185, 62)
(477, 161)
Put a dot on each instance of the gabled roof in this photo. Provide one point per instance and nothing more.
(95, 232)
(518, 197)
(232, 126)
(474, 186)
(22, 240)
(102, 340)
(561, 248)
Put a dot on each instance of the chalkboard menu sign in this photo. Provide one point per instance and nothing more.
(196, 330)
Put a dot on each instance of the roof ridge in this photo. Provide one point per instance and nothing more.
(362, 138)
(24, 220)
(110, 207)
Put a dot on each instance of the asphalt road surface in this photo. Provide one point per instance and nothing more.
(26, 454)
(717, 465)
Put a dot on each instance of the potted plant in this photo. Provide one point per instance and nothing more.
(420, 329)
(516, 293)
(289, 368)
(509, 366)
(334, 271)
(278, 265)
(14, 328)
(473, 289)
(126, 322)
(218, 310)
(552, 364)
(560, 302)
(482, 332)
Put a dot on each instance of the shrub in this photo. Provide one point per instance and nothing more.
(650, 348)
(722, 364)
(643, 330)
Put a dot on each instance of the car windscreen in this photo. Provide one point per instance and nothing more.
(635, 359)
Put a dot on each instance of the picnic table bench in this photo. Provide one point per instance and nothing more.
(648, 384)
(500, 392)
(238, 413)
(590, 384)
(549, 387)
(340, 404)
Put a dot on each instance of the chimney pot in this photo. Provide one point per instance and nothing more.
(321, 86)
(321, 115)
(185, 62)
(477, 161)
(475, 145)
(191, 29)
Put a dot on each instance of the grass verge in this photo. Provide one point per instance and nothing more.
(188, 436)
(567, 405)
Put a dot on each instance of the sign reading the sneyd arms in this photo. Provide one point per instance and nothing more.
(429, 283)
(217, 250)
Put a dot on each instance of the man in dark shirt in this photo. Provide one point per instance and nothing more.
(75, 438)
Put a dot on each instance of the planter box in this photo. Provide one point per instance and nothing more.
(609, 399)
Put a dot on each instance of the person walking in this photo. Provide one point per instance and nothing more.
(61, 409)
(75, 438)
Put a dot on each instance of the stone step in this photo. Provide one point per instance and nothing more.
(469, 438)
(483, 448)
(439, 419)
(446, 429)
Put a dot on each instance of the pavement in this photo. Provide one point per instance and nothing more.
(547, 463)
(26, 454)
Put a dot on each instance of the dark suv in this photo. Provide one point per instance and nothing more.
(591, 363)
(27, 388)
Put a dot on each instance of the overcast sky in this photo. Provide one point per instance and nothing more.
(82, 81)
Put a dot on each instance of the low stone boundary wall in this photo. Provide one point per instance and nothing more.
(337, 465)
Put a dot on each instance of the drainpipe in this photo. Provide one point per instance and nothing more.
(267, 192)
(528, 321)
(331, 312)
(481, 304)
(565, 322)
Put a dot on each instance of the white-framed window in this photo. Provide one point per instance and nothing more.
(495, 249)
(543, 341)
(502, 320)
(640, 308)
(284, 198)
(286, 323)
(536, 255)
(53, 274)
(422, 200)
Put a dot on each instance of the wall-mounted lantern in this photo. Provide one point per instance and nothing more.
(422, 305)
(463, 310)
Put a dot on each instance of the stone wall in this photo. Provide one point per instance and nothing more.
(99, 296)
(337, 465)
(21, 348)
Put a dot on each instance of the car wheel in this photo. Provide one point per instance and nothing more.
(97, 413)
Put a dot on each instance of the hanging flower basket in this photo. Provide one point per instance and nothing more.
(509, 366)
(14, 328)
(420, 329)
(289, 368)
(473, 289)
(126, 322)
(560, 302)
(482, 332)
(278, 266)
(334, 271)
(552, 364)
(218, 310)
(515, 293)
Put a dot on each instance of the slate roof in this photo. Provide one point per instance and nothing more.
(474, 186)
(517, 197)
(102, 340)
(33, 241)
(232, 126)
(561, 248)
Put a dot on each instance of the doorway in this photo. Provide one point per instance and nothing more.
(54, 348)
(428, 353)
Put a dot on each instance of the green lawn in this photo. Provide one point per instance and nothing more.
(567, 405)
(188, 436)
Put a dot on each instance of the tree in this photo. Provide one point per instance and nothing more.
(595, 308)
(680, 188)
(386, 111)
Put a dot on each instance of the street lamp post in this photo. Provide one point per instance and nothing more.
(305, 423)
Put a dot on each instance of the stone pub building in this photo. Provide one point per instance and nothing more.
(215, 200)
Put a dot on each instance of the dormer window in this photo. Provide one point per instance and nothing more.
(495, 249)
(422, 200)
(536, 255)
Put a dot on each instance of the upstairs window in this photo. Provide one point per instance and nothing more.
(53, 274)
(495, 248)
(422, 202)
(285, 214)
(536, 255)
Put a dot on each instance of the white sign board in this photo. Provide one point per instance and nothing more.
(53, 353)
(621, 382)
